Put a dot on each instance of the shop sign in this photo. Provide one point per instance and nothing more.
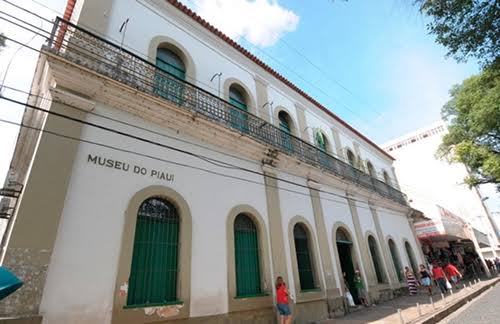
(428, 229)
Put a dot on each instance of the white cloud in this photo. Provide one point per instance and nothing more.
(261, 22)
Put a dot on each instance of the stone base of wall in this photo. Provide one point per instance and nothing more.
(21, 320)
(264, 316)
(336, 306)
(398, 292)
(307, 312)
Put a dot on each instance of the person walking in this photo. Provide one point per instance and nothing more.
(440, 277)
(426, 278)
(453, 274)
(282, 301)
(360, 289)
(411, 282)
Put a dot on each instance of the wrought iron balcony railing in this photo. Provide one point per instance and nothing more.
(84, 48)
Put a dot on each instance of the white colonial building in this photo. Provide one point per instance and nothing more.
(151, 196)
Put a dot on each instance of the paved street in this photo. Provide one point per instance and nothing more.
(484, 309)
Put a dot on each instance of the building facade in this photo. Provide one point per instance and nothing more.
(152, 195)
(438, 190)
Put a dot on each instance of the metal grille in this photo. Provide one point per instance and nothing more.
(304, 260)
(246, 252)
(395, 260)
(102, 56)
(153, 275)
(375, 258)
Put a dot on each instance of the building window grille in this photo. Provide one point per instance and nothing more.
(396, 261)
(372, 244)
(154, 270)
(247, 257)
(304, 258)
(171, 67)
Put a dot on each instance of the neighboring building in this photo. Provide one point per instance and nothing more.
(164, 201)
(436, 187)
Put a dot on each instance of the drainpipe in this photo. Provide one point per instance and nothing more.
(68, 13)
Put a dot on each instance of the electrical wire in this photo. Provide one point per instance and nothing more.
(204, 158)
(205, 170)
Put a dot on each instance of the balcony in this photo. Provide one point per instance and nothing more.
(86, 49)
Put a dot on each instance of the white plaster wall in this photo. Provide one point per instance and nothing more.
(314, 121)
(211, 55)
(93, 219)
(296, 201)
(396, 225)
(335, 209)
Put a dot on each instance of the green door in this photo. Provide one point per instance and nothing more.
(153, 274)
(169, 81)
(286, 139)
(246, 253)
(396, 261)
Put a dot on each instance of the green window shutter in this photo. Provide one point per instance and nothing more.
(246, 250)
(375, 258)
(395, 259)
(304, 260)
(168, 81)
(238, 117)
(320, 141)
(153, 274)
(286, 140)
(411, 257)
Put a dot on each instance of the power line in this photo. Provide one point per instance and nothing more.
(199, 156)
(225, 175)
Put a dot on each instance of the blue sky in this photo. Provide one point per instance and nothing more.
(396, 76)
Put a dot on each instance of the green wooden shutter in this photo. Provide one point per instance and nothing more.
(375, 258)
(304, 263)
(246, 250)
(411, 257)
(395, 259)
(169, 84)
(238, 117)
(153, 274)
(286, 140)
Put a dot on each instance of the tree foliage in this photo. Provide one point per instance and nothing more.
(467, 28)
(473, 114)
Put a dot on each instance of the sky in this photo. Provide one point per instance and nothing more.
(370, 62)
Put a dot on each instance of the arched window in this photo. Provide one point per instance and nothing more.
(386, 177)
(395, 260)
(169, 82)
(411, 258)
(351, 158)
(171, 63)
(286, 127)
(372, 244)
(247, 257)
(371, 170)
(154, 270)
(304, 257)
(238, 116)
(320, 141)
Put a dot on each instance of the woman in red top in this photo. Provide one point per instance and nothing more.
(282, 301)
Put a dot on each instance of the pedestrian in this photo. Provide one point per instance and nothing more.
(497, 263)
(440, 277)
(282, 301)
(425, 278)
(411, 282)
(360, 288)
(452, 273)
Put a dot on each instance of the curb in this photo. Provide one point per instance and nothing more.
(436, 317)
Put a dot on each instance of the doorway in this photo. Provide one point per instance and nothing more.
(344, 248)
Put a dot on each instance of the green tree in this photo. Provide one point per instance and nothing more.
(473, 114)
(467, 28)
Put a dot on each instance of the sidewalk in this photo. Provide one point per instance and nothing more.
(387, 312)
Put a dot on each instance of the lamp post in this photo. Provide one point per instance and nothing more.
(217, 75)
